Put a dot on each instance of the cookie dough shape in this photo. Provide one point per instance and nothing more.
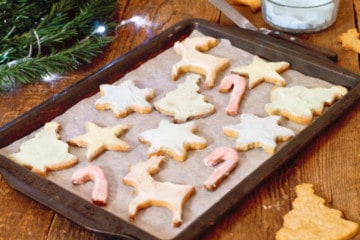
(99, 139)
(253, 132)
(124, 98)
(300, 104)
(154, 193)
(350, 40)
(194, 60)
(311, 219)
(262, 71)
(45, 151)
(185, 102)
(172, 139)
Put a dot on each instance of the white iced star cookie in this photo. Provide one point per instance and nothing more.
(185, 102)
(45, 151)
(124, 98)
(99, 139)
(253, 132)
(172, 139)
(262, 71)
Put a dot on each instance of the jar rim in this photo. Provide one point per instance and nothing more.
(301, 7)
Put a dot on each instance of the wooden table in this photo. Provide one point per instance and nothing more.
(331, 162)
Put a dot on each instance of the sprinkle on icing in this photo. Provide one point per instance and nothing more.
(172, 139)
(253, 132)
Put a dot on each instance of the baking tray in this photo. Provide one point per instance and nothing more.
(97, 219)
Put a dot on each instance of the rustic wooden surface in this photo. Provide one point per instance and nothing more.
(331, 162)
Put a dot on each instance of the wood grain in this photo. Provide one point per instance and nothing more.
(331, 162)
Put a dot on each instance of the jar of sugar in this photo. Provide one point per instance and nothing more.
(300, 16)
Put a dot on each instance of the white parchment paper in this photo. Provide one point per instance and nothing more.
(156, 74)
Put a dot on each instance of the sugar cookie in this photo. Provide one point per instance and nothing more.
(124, 98)
(185, 102)
(172, 139)
(154, 193)
(254, 5)
(311, 219)
(230, 159)
(238, 84)
(45, 151)
(94, 173)
(300, 104)
(253, 132)
(193, 60)
(350, 40)
(262, 71)
(99, 139)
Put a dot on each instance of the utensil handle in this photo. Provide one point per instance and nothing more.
(326, 52)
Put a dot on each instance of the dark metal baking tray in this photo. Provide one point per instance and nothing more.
(95, 218)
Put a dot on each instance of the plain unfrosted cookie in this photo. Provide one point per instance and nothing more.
(311, 219)
(124, 98)
(172, 139)
(254, 131)
(99, 139)
(45, 151)
(350, 40)
(262, 71)
(300, 104)
(185, 102)
(194, 60)
(254, 5)
(154, 193)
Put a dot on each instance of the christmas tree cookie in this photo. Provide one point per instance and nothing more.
(45, 151)
(185, 102)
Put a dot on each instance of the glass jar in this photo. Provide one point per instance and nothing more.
(300, 16)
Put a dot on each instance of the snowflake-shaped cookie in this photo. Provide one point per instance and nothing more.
(185, 102)
(253, 132)
(124, 98)
(45, 151)
(99, 139)
(172, 139)
(259, 71)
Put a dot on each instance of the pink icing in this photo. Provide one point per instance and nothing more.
(96, 174)
(239, 85)
(230, 158)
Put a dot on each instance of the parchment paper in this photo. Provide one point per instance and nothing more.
(156, 74)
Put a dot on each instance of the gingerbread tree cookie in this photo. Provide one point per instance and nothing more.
(300, 104)
(311, 219)
(172, 139)
(194, 60)
(185, 102)
(154, 193)
(45, 151)
(124, 98)
(253, 132)
(262, 71)
(98, 139)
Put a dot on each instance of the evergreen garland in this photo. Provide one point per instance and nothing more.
(43, 37)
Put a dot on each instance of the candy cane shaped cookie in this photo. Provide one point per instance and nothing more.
(238, 84)
(230, 158)
(96, 174)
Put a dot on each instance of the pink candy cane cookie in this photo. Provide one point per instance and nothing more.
(230, 158)
(96, 174)
(238, 84)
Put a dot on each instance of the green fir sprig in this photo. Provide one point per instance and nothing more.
(41, 38)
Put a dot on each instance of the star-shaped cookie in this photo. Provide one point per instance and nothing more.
(350, 40)
(254, 131)
(124, 98)
(172, 139)
(45, 151)
(99, 139)
(260, 70)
